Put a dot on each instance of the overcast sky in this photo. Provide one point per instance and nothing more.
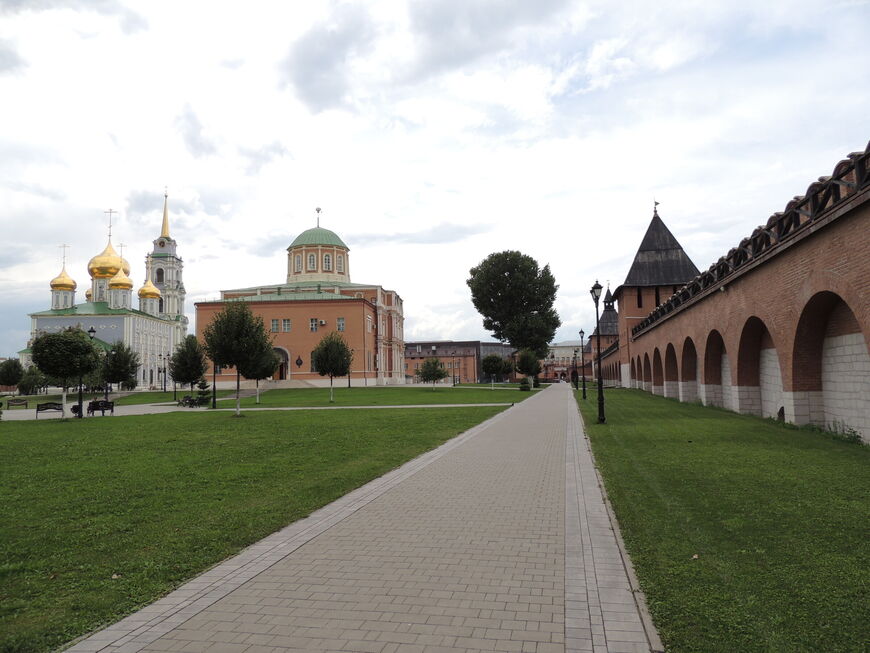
(432, 133)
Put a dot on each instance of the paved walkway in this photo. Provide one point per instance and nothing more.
(497, 541)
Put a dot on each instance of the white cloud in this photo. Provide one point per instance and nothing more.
(452, 129)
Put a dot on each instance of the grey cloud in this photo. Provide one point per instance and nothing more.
(453, 33)
(10, 60)
(193, 134)
(439, 234)
(141, 202)
(270, 245)
(130, 20)
(317, 63)
(35, 189)
(232, 64)
(257, 158)
(217, 201)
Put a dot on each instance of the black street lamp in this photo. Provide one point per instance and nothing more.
(596, 294)
(574, 366)
(91, 333)
(583, 363)
(213, 384)
(453, 366)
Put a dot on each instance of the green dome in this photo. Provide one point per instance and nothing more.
(317, 236)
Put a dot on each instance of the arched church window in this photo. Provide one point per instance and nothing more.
(327, 262)
(299, 262)
(159, 276)
(339, 264)
(160, 308)
(312, 262)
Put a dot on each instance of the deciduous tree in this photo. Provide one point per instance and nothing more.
(515, 298)
(66, 356)
(431, 371)
(261, 366)
(120, 365)
(235, 338)
(188, 365)
(332, 357)
(32, 381)
(528, 363)
(11, 372)
(492, 366)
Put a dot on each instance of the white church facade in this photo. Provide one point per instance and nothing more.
(153, 330)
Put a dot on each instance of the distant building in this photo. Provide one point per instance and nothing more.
(462, 359)
(316, 297)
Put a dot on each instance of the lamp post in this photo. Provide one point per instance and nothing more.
(595, 291)
(574, 368)
(106, 388)
(453, 366)
(583, 362)
(91, 333)
(213, 384)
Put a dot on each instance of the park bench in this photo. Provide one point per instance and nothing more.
(102, 406)
(49, 405)
(16, 402)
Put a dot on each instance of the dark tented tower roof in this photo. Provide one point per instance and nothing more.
(660, 259)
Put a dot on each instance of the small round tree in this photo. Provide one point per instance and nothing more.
(431, 371)
(528, 363)
(188, 365)
(120, 366)
(332, 357)
(235, 338)
(261, 367)
(11, 372)
(66, 356)
(492, 366)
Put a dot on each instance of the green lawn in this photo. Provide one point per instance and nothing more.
(159, 397)
(778, 517)
(32, 400)
(157, 499)
(384, 396)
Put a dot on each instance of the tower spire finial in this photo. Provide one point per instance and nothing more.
(164, 230)
(110, 212)
(317, 210)
(655, 208)
(64, 247)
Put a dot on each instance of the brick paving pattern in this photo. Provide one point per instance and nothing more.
(462, 549)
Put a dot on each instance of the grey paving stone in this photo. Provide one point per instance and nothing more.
(497, 541)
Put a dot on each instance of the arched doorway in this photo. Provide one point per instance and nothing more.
(283, 365)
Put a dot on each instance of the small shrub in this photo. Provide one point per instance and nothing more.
(525, 386)
(536, 383)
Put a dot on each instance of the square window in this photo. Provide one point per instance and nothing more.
(339, 324)
(274, 325)
(312, 324)
(285, 326)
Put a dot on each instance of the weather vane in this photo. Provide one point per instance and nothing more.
(655, 206)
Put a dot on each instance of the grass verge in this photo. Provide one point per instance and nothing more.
(384, 396)
(156, 499)
(777, 517)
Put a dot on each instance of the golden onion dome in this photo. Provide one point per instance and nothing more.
(121, 281)
(63, 281)
(106, 264)
(149, 291)
(89, 294)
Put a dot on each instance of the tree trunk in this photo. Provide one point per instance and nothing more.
(331, 400)
(238, 383)
(258, 391)
(63, 402)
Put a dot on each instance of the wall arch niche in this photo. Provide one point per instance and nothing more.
(689, 372)
(647, 373)
(717, 373)
(759, 377)
(672, 388)
(831, 368)
(658, 379)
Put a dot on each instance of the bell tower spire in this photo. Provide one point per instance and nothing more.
(164, 231)
(167, 273)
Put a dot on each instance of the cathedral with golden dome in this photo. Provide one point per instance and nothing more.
(153, 330)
